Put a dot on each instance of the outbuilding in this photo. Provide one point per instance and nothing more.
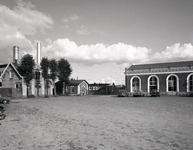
(78, 87)
(10, 81)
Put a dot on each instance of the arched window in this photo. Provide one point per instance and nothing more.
(172, 84)
(190, 83)
(153, 83)
(135, 84)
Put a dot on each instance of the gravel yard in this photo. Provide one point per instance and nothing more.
(98, 123)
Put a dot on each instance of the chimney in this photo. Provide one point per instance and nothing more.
(15, 54)
(38, 53)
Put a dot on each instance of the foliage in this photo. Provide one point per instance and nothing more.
(64, 72)
(45, 66)
(53, 72)
(53, 69)
(26, 68)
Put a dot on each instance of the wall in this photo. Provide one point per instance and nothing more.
(162, 81)
(8, 82)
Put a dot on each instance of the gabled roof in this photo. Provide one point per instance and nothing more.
(6, 67)
(76, 82)
(160, 65)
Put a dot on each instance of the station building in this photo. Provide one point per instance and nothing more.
(168, 78)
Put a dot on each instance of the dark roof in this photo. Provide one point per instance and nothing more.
(161, 65)
(3, 65)
(99, 84)
(76, 82)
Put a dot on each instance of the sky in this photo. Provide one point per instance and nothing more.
(100, 38)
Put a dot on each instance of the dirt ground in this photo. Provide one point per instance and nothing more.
(98, 123)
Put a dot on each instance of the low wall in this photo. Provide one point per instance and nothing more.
(10, 92)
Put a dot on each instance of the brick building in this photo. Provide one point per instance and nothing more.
(10, 81)
(168, 78)
(78, 87)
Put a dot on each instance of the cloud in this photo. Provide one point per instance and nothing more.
(95, 54)
(24, 19)
(175, 52)
(72, 18)
(69, 23)
(16, 24)
(83, 30)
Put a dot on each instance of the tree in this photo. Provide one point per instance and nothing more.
(53, 72)
(64, 72)
(26, 68)
(45, 67)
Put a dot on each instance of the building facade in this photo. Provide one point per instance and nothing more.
(10, 81)
(78, 87)
(167, 78)
(102, 89)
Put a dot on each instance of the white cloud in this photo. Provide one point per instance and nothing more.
(175, 52)
(83, 30)
(72, 18)
(96, 54)
(16, 24)
(24, 19)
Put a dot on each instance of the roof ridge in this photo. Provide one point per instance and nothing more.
(161, 62)
(161, 65)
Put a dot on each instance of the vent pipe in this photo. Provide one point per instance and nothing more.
(15, 54)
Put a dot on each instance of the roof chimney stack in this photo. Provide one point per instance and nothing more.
(15, 54)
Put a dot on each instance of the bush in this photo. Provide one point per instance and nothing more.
(31, 96)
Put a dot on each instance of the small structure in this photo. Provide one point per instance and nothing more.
(78, 87)
(95, 87)
(102, 89)
(10, 81)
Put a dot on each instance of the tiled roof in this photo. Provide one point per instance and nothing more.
(76, 82)
(161, 65)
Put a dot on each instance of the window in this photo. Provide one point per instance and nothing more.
(10, 74)
(17, 85)
(72, 89)
(172, 83)
(0, 84)
(135, 84)
(191, 83)
(37, 75)
(153, 83)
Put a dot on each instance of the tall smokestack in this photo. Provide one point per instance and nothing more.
(15, 54)
(38, 53)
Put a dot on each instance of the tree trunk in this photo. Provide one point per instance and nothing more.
(54, 89)
(47, 87)
(28, 90)
(64, 88)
